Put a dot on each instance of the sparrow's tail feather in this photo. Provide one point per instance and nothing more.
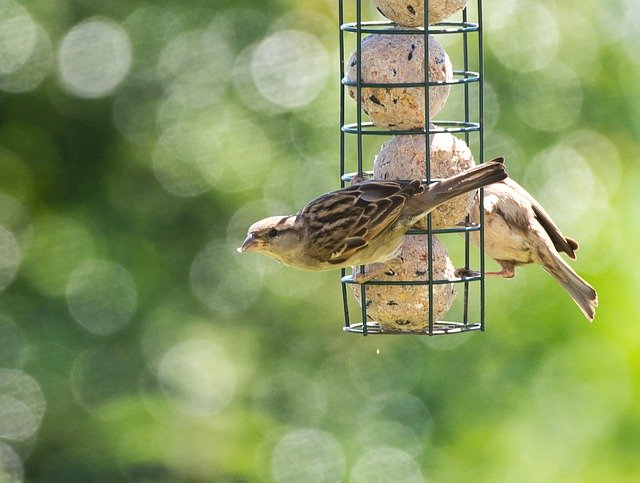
(442, 191)
(583, 294)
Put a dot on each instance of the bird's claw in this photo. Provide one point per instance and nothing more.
(466, 273)
(361, 277)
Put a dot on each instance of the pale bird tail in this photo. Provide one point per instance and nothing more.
(583, 294)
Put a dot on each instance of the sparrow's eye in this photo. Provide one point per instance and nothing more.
(272, 233)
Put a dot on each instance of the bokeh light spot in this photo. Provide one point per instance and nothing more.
(386, 464)
(492, 109)
(59, 245)
(33, 71)
(17, 36)
(245, 87)
(525, 36)
(568, 187)
(401, 407)
(101, 296)
(378, 432)
(15, 218)
(395, 419)
(51, 362)
(314, 21)
(221, 148)
(198, 376)
(215, 280)
(374, 375)
(13, 342)
(94, 57)
(623, 23)
(22, 405)
(175, 159)
(149, 28)
(242, 155)
(135, 110)
(291, 397)
(289, 283)
(10, 257)
(601, 153)
(307, 455)
(11, 467)
(194, 67)
(500, 143)
(290, 68)
(549, 99)
(501, 13)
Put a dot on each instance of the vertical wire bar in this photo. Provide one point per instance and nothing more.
(481, 149)
(427, 139)
(363, 292)
(342, 90)
(345, 300)
(359, 82)
(465, 55)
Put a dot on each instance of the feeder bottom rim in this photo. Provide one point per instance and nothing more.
(441, 327)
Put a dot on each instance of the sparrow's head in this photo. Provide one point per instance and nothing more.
(277, 237)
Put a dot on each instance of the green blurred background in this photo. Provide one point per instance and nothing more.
(138, 140)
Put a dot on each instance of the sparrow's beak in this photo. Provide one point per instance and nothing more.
(250, 244)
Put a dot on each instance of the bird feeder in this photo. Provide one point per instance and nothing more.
(401, 78)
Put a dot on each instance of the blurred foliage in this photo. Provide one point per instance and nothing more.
(138, 140)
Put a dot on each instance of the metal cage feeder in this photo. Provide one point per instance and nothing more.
(469, 127)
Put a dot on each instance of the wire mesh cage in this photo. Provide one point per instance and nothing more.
(358, 136)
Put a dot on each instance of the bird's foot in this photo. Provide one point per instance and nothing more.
(466, 273)
(508, 272)
(362, 277)
(377, 269)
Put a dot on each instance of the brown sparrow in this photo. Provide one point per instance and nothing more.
(518, 231)
(360, 224)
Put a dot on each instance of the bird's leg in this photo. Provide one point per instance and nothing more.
(508, 271)
(377, 269)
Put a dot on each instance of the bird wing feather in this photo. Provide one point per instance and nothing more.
(560, 242)
(345, 221)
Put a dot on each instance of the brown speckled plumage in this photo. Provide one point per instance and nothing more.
(360, 224)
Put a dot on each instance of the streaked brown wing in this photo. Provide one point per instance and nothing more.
(345, 221)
